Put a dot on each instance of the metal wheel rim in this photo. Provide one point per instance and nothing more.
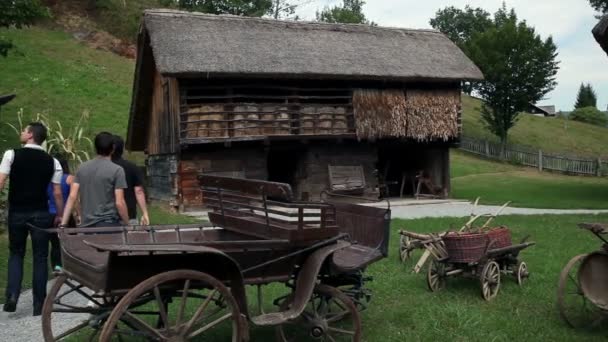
(350, 312)
(404, 248)
(522, 273)
(490, 280)
(54, 306)
(184, 328)
(573, 307)
(435, 278)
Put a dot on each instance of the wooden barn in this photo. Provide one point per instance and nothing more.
(348, 109)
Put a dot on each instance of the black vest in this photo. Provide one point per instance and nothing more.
(31, 173)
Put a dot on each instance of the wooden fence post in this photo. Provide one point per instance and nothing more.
(487, 146)
(598, 170)
(540, 160)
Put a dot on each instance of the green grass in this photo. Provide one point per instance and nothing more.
(497, 182)
(52, 73)
(554, 135)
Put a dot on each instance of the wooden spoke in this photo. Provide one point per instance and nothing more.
(490, 280)
(331, 316)
(182, 306)
(161, 307)
(177, 325)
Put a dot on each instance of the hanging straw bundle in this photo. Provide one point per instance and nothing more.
(379, 113)
(432, 115)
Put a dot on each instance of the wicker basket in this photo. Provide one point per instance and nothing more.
(501, 237)
(465, 248)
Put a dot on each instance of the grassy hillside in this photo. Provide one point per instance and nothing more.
(554, 135)
(497, 182)
(54, 74)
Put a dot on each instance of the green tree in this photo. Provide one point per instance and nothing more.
(250, 8)
(590, 115)
(599, 5)
(586, 97)
(283, 9)
(460, 25)
(519, 68)
(351, 12)
(18, 13)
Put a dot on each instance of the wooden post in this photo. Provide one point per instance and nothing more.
(540, 160)
(487, 146)
(598, 170)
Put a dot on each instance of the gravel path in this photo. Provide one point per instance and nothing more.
(461, 209)
(20, 326)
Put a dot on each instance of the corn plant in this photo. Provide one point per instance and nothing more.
(72, 143)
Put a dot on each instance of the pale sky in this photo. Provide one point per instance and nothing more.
(568, 21)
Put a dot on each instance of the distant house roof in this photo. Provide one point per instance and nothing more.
(196, 43)
(600, 32)
(545, 110)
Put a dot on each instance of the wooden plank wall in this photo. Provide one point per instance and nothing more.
(162, 177)
(164, 113)
(315, 178)
(246, 162)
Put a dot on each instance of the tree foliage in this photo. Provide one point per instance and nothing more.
(460, 25)
(250, 8)
(586, 97)
(351, 12)
(519, 68)
(18, 13)
(599, 5)
(590, 115)
(286, 9)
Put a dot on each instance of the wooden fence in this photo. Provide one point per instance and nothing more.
(535, 158)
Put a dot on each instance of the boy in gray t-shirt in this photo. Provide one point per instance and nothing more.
(100, 183)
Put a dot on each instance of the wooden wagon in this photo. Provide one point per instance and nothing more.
(582, 293)
(187, 282)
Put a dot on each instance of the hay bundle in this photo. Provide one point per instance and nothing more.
(432, 115)
(246, 123)
(278, 120)
(307, 118)
(379, 113)
(422, 115)
(203, 124)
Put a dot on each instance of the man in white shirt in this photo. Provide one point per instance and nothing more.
(29, 169)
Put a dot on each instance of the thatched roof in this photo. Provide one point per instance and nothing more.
(176, 43)
(195, 43)
(600, 32)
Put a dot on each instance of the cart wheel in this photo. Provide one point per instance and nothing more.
(330, 315)
(176, 306)
(70, 309)
(405, 245)
(573, 306)
(490, 280)
(522, 273)
(435, 276)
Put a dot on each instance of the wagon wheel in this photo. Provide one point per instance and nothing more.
(573, 306)
(405, 248)
(330, 315)
(436, 275)
(522, 274)
(176, 306)
(490, 280)
(69, 309)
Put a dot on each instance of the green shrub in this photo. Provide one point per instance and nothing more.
(122, 18)
(590, 115)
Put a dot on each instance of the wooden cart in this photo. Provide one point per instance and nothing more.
(582, 294)
(187, 282)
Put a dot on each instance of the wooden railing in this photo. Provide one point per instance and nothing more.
(535, 158)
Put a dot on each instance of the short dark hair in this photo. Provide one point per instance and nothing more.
(104, 143)
(119, 147)
(38, 131)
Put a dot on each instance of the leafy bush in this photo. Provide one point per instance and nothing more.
(122, 18)
(590, 115)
